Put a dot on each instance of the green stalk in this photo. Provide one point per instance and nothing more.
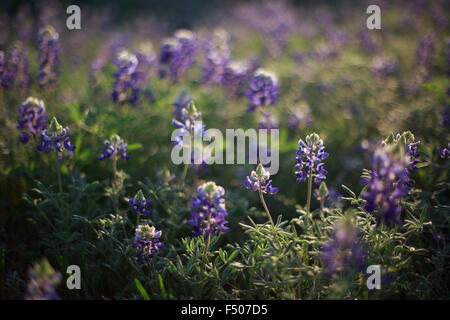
(261, 197)
(308, 200)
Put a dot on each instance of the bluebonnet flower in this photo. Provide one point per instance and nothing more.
(189, 123)
(208, 215)
(267, 121)
(273, 20)
(56, 138)
(444, 152)
(113, 147)
(177, 54)
(386, 184)
(182, 102)
(309, 159)
(425, 52)
(383, 67)
(48, 57)
(32, 119)
(367, 43)
(15, 68)
(407, 141)
(147, 61)
(126, 78)
(300, 117)
(259, 180)
(217, 57)
(236, 76)
(343, 251)
(42, 282)
(147, 242)
(139, 204)
(263, 90)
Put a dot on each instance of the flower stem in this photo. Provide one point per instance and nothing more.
(183, 175)
(265, 206)
(114, 184)
(308, 200)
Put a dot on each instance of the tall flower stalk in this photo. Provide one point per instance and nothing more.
(310, 166)
(259, 181)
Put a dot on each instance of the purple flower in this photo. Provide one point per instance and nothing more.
(425, 52)
(343, 251)
(208, 210)
(147, 61)
(177, 55)
(32, 119)
(42, 282)
(189, 123)
(147, 242)
(382, 67)
(15, 68)
(410, 146)
(367, 42)
(139, 204)
(236, 76)
(182, 102)
(263, 90)
(56, 138)
(267, 121)
(217, 57)
(259, 180)
(386, 184)
(48, 57)
(300, 118)
(309, 159)
(126, 79)
(444, 152)
(114, 147)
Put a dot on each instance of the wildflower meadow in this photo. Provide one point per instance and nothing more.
(242, 150)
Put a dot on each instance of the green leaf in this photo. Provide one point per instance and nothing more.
(141, 289)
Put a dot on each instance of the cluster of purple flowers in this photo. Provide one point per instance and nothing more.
(367, 43)
(139, 204)
(208, 213)
(383, 67)
(259, 180)
(126, 78)
(177, 54)
(343, 251)
(32, 119)
(267, 121)
(113, 147)
(42, 282)
(147, 242)
(189, 123)
(263, 90)
(300, 118)
(217, 57)
(182, 102)
(407, 141)
(386, 184)
(15, 68)
(425, 52)
(56, 138)
(48, 57)
(236, 76)
(309, 159)
(147, 61)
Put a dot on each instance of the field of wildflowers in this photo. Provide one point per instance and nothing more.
(86, 176)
